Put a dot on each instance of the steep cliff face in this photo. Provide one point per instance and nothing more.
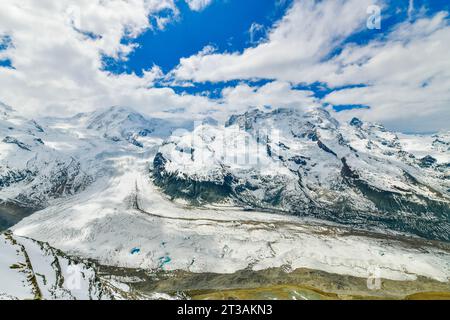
(310, 164)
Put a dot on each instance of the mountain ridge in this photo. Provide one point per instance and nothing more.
(307, 162)
(123, 219)
(355, 173)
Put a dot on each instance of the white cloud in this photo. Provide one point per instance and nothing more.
(410, 9)
(408, 77)
(198, 5)
(407, 73)
(273, 94)
(57, 49)
(309, 31)
(256, 30)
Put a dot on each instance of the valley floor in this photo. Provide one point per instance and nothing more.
(274, 283)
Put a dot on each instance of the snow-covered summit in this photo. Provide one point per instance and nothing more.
(118, 123)
(50, 158)
(307, 163)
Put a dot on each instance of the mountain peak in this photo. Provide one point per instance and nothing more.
(307, 163)
(113, 117)
(355, 122)
(317, 117)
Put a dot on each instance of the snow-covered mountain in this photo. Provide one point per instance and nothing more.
(119, 123)
(32, 168)
(97, 185)
(55, 158)
(432, 148)
(307, 163)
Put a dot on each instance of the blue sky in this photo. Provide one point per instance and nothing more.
(226, 25)
(5, 42)
(219, 57)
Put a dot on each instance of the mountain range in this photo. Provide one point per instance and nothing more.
(286, 187)
(309, 164)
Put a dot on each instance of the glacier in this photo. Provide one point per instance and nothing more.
(283, 188)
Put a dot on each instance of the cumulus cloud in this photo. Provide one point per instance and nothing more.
(57, 50)
(407, 76)
(403, 76)
(308, 32)
(198, 5)
(275, 94)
